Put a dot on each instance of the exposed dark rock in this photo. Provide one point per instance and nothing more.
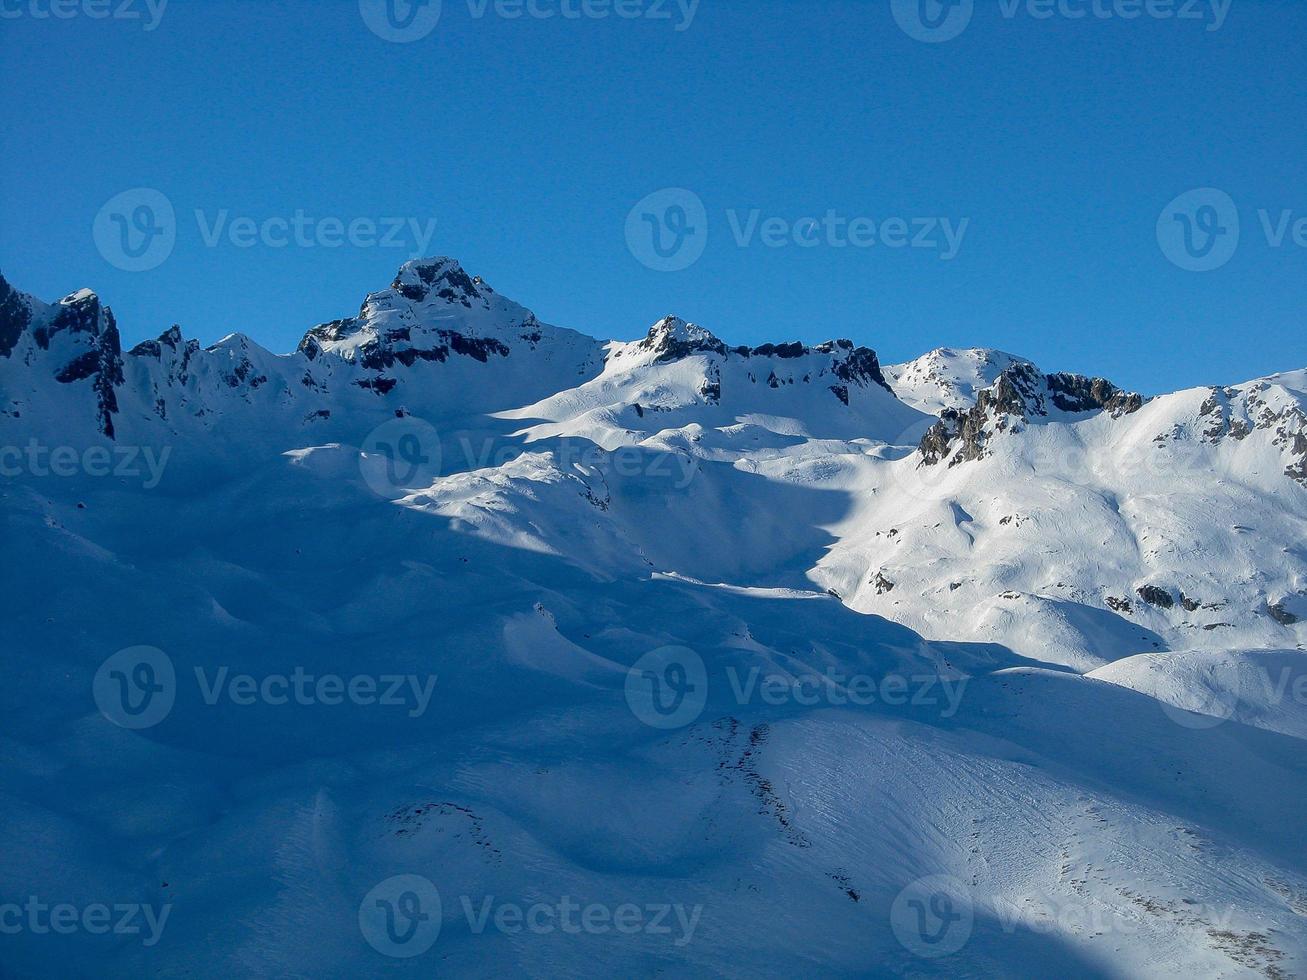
(382, 386)
(445, 278)
(1075, 393)
(411, 356)
(1119, 605)
(1281, 615)
(15, 315)
(861, 367)
(1156, 596)
(1019, 394)
(778, 350)
(711, 389)
(170, 338)
(479, 348)
(671, 338)
(92, 326)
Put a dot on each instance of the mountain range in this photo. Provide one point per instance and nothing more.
(958, 645)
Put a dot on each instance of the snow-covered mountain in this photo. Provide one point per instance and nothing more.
(958, 645)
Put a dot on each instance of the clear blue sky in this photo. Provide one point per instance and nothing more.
(529, 141)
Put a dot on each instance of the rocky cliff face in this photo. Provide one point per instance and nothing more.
(835, 364)
(73, 342)
(1021, 394)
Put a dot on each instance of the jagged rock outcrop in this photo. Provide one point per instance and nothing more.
(840, 362)
(82, 339)
(1021, 394)
(15, 315)
(404, 324)
(1235, 413)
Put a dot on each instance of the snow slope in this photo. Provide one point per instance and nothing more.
(941, 719)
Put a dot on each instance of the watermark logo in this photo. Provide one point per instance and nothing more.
(95, 919)
(147, 12)
(667, 687)
(1046, 915)
(1219, 698)
(936, 21)
(136, 230)
(405, 21)
(136, 687)
(932, 21)
(401, 917)
(835, 688)
(124, 462)
(1199, 230)
(933, 916)
(567, 915)
(578, 456)
(667, 231)
(399, 456)
(401, 21)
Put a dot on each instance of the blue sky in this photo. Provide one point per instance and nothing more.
(1050, 145)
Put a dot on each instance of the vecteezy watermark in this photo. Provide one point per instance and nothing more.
(833, 230)
(1043, 915)
(136, 688)
(400, 455)
(123, 462)
(668, 688)
(937, 21)
(932, 21)
(1200, 230)
(146, 12)
(406, 21)
(667, 231)
(137, 230)
(582, 456)
(933, 916)
(405, 454)
(837, 688)
(402, 917)
(400, 21)
(1228, 685)
(40, 918)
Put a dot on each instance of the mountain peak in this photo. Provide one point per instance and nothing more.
(419, 279)
(1021, 394)
(672, 338)
(78, 296)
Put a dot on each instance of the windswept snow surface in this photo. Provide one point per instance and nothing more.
(457, 643)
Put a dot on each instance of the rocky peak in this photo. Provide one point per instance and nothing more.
(80, 336)
(171, 339)
(1020, 394)
(441, 278)
(17, 310)
(672, 338)
(432, 312)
